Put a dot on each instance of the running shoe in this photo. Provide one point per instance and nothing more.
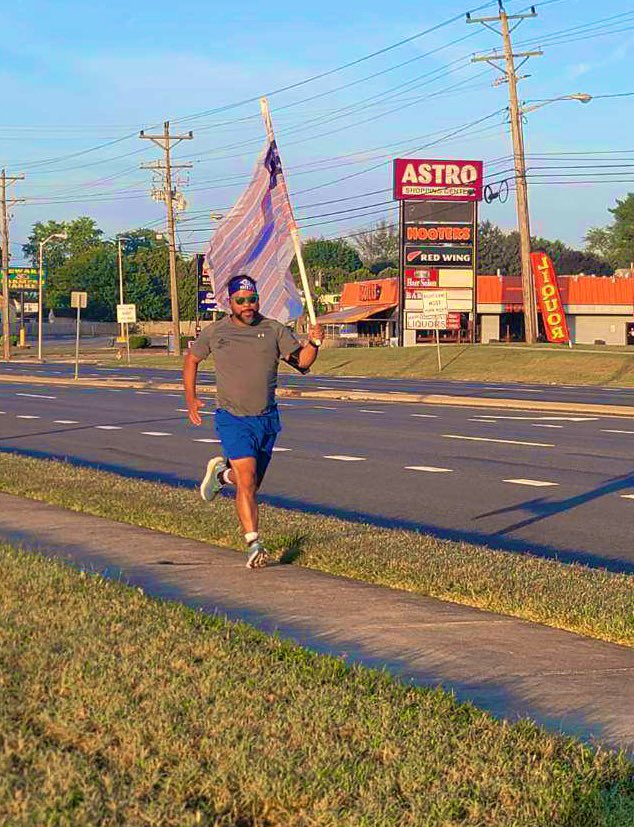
(211, 484)
(258, 556)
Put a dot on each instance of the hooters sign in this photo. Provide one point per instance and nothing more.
(418, 179)
(549, 297)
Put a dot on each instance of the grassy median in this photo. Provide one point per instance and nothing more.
(116, 709)
(592, 602)
(541, 364)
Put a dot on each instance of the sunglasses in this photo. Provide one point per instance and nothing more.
(252, 299)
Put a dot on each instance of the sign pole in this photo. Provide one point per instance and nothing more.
(127, 340)
(401, 274)
(77, 341)
(438, 350)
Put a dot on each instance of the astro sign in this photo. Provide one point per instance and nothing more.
(418, 179)
(549, 296)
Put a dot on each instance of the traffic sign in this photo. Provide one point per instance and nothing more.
(78, 299)
(31, 307)
(126, 313)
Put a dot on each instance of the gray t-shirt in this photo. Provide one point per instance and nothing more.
(246, 360)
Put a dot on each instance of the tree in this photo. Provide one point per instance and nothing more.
(83, 235)
(325, 260)
(378, 244)
(500, 250)
(615, 242)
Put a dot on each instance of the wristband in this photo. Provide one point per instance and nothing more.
(314, 344)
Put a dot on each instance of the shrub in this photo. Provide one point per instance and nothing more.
(138, 342)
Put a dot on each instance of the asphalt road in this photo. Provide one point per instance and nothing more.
(543, 483)
(555, 393)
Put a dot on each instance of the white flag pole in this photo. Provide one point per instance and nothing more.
(266, 115)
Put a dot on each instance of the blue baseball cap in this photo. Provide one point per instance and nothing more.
(242, 282)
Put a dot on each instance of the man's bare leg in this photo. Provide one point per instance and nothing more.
(244, 472)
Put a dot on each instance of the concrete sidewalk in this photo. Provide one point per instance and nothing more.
(510, 667)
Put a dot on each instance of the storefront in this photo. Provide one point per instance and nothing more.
(366, 313)
(599, 309)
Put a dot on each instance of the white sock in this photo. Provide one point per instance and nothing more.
(251, 537)
(224, 477)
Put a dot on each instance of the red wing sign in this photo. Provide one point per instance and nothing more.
(549, 297)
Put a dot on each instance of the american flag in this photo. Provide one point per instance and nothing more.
(254, 238)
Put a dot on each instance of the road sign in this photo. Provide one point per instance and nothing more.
(78, 299)
(126, 313)
(25, 278)
(435, 303)
(31, 307)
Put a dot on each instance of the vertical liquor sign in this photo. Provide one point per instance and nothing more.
(438, 223)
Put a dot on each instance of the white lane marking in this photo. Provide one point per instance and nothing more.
(546, 418)
(143, 393)
(485, 421)
(174, 395)
(108, 427)
(429, 468)
(426, 416)
(322, 408)
(66, 422)
(282, 449)
(545, 425)
(155, 433)
(36, 395)
(627, 496)
(2, 412)
(344, 458)
(502, 441)
(206, 440)
(614, 431)
(26, 416)
(367, 410)
(286, 404)
(202, 413)
(533, 483)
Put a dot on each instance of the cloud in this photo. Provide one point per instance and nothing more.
(578, 70)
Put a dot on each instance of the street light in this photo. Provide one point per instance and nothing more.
(63, 236)
(521, 188)
(582, 97)
(121, 238)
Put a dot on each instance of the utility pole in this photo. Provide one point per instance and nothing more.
(167, 142)
(509, 75)
(6, 318)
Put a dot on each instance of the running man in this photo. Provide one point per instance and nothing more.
(247, 348)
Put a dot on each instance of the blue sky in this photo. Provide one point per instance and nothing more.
(78, 76)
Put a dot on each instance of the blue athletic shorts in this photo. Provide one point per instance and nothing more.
(248, 436)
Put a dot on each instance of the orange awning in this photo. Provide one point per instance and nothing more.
(354, 314)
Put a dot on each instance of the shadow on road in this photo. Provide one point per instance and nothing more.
(490, 539)
(541, 509)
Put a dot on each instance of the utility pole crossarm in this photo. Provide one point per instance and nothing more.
(497, 56)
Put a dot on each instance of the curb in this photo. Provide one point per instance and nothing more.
(351, 396)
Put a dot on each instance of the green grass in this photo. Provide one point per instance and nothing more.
(116, 709)
(592, 602)
(543, 364)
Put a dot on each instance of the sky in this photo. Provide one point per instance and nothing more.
(80, 80)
